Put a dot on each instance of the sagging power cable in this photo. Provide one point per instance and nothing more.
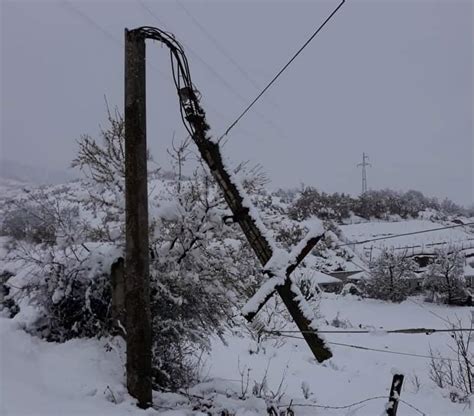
(425, 331)
(282, 70)
(188, 95)
(361, 347)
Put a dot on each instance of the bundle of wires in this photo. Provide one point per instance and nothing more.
(192, 114)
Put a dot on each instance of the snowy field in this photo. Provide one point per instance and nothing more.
(86, 377)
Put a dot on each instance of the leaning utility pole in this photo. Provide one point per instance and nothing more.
(364, 164)
(137, 285)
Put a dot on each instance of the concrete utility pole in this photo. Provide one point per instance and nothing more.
(364, 164)
(137, 285)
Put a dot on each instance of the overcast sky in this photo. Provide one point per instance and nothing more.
(392, 78)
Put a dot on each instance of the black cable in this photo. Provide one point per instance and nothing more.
(219, 46)
(181, 74)
(404, 234)
(360, 347)
(407, 331)
(216, 75)
(282, 70)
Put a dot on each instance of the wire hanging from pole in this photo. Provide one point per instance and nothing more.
(282, 70)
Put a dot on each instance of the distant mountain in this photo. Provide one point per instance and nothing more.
(23, 173)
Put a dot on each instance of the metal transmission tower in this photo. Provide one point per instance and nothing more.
(364, 164)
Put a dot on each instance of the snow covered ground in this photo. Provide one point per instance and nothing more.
(86, 377)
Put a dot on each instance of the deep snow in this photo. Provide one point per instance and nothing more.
(86, 377)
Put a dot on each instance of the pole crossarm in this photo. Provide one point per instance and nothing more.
(266, 291)
(244, 213)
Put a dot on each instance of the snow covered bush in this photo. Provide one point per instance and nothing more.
(444, 279)
(64, 278)
(389, 276)
(201, 268)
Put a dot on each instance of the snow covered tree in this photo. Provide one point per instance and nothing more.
(389, 276)
(201, 267)
(444, 279)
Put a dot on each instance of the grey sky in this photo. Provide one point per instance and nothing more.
(391, 78)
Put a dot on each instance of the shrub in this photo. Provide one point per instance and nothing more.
(389, 276)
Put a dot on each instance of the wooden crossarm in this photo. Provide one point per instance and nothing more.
(266, 291)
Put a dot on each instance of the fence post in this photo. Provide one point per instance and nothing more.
(395, 391)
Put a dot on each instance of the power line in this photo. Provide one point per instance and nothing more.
(209, 67)
(440, 243)
(120, 44)
(404, 234)
(430, 311)
(105, 32)
(282, 70)
(360, 347)
(413, 407)
(322, 406)
(219, 46)
(91, 22)
(407, 331)
(195, 54)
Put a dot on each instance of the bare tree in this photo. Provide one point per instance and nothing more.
(445, 276)
(458, 374)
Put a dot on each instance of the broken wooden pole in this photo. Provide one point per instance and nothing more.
(291, 297)
(137, 290)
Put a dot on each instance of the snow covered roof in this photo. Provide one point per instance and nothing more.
(358, 276)
(315, 275)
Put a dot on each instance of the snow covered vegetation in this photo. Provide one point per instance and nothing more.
(61, 276)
